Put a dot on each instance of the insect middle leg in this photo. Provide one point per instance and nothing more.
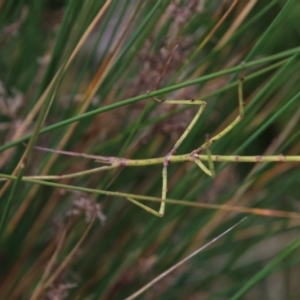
(166, 163)
(167, 159)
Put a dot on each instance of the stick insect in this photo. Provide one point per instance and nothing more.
(197, 156)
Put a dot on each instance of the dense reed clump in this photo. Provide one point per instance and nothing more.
(113, 81)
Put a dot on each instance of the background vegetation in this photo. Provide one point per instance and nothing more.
(74, 76)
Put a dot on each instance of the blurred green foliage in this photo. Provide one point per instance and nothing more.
(125, 56)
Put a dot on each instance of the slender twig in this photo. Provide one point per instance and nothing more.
(167, 272)
(225, 207)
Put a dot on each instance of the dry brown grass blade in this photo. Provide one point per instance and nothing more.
(223, 209)
(213, 31)
(238, 21)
